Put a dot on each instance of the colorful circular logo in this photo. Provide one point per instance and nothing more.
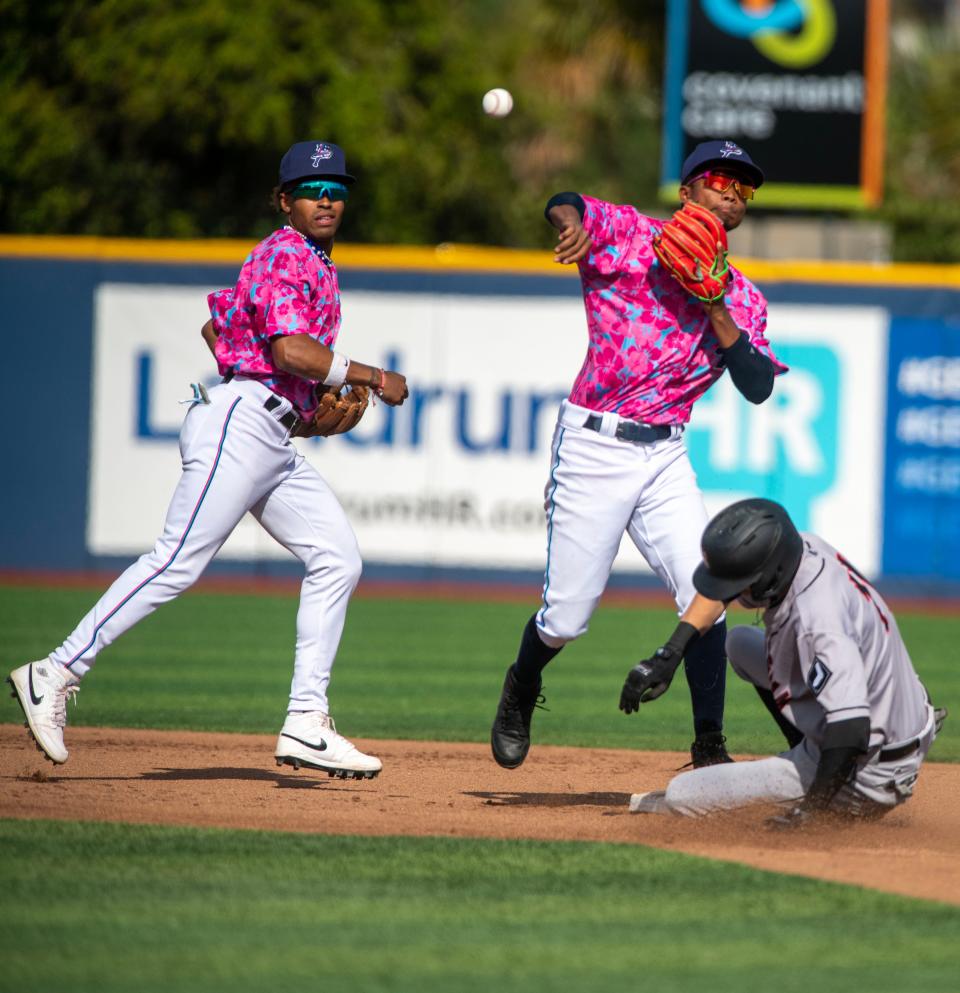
(792, 33)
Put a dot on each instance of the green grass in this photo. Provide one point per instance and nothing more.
(99, 907)
(102, 908)
(406, 669)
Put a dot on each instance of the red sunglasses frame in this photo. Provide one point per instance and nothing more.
(745, 191)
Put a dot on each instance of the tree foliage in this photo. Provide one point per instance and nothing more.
(923, 145)
(127, 117)
(150, 119)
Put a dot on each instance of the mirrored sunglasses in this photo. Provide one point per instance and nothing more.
(721, 182)
(318, 189)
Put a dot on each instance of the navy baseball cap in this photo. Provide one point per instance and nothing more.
(314, 160)
(721, 153)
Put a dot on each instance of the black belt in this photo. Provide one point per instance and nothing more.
(632, 430)
(901, 751)
(290, 420)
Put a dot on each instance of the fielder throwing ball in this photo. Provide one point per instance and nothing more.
(273, 336)
(831, 668)
(666, 315)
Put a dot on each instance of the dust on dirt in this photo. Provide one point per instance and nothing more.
(430, 788)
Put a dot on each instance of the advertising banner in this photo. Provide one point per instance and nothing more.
(799, 83)
(922, 479)
(455, 476)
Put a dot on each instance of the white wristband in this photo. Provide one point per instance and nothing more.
(337, 375)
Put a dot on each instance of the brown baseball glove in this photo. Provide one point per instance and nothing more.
(338, 412)
(693, 248)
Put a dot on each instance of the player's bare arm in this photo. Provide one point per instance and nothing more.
(703, 613)
(209, 334)
(303, 356)
(724, 327)
(573, 242)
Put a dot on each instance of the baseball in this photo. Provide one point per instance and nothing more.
(497, 102)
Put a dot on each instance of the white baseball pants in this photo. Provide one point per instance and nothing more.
(787, 777)
(598, 488)
(237, 457)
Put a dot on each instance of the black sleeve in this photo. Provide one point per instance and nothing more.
(790, 732)
(574, 199)
(843, 743)
(750, 370)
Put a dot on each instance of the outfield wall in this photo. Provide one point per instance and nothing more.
(861, 440)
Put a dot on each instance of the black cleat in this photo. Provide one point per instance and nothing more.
(708, 748)
(353, 773)
(510, 735)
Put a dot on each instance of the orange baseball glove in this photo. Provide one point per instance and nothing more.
(693, 248)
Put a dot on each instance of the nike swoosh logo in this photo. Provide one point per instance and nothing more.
(34, 699)
(322, 747)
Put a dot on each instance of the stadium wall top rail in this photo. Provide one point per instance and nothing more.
(455, 258)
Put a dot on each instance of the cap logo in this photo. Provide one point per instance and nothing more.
(320, 154)
(729, 148)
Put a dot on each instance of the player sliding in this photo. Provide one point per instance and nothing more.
(830, 667)
(273, 337)
(666, 316)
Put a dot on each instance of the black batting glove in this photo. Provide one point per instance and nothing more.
(649, 679)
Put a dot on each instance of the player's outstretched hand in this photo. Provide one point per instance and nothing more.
(573, 244)
(649, 679)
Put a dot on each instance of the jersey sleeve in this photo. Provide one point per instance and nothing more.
(284, 301)
(219, 302)
(833, 670)
(615, 230)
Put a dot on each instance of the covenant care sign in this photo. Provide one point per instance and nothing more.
(799, 83)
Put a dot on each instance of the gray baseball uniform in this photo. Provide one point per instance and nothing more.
(831, 652)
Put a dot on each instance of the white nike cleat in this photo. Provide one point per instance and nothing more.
(42, 689)
(654, 802)
(310, 739)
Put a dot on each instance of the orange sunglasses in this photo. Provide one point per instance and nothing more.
(721, 182)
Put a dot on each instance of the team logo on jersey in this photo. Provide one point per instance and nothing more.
(818, 676)
(730, 149)
(320, 154)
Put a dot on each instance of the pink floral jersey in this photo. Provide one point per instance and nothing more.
(652, 352)
(285, 286)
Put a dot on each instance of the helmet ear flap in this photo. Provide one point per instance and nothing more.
(780, 569)
(763, 590)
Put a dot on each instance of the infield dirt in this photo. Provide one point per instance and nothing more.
(573, 794)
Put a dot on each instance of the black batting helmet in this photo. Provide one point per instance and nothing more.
(751, 548)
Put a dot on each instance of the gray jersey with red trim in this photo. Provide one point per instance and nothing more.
(835, 653)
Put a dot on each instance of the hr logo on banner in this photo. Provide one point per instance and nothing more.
(784, 449)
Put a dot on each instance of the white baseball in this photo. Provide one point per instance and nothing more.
(497, 102)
